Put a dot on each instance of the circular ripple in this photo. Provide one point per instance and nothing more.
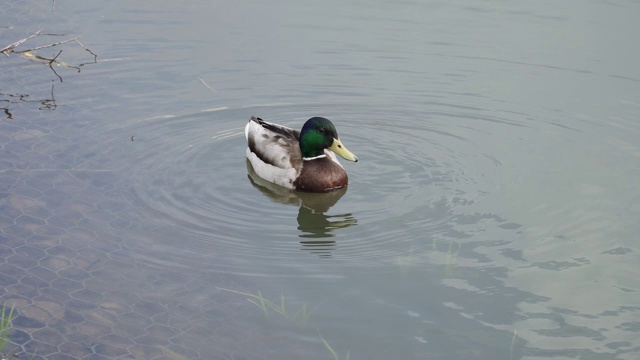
(412, 178)
(191, 178)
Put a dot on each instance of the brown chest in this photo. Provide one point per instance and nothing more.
(321, 175)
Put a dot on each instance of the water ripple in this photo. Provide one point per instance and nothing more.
(192, 177)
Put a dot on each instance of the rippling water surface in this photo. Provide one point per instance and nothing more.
(492, 215)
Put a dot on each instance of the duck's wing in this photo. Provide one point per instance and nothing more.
(289, 133)
(274, 144)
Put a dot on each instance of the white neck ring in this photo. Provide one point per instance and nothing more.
(315, 157)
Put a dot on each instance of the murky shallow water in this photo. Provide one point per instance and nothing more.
(492, 215)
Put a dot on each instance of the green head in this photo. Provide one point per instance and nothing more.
(318, 134)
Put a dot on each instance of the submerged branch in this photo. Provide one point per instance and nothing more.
(207, 85)
(30, 53)
(49, 45)
(95, 57)
(9, 48)
(9, 99)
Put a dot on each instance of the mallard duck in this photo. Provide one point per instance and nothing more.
(301, 160)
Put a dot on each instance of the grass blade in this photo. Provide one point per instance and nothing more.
(326, 344)
(5, 324)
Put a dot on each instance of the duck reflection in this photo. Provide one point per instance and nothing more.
(314, 224)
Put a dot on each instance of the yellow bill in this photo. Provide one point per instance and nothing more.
(341, 150)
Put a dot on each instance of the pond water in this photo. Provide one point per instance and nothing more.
(493, 213)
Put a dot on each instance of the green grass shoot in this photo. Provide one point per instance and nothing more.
(333, 352)
(5, 324)
(268, 306)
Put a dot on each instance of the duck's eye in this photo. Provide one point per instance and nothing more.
(321, 130)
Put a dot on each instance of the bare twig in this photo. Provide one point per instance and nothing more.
(30, 53)
(49, 104)
(45, 104)
(51, 67)
(55, 57)
(9, 48)
(95, 57)
(48, 46)
(207, 85)
(51, 34)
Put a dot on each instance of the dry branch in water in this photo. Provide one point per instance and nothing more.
(207, 85)
(30, 53)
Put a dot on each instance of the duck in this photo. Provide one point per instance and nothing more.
(302, 160)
